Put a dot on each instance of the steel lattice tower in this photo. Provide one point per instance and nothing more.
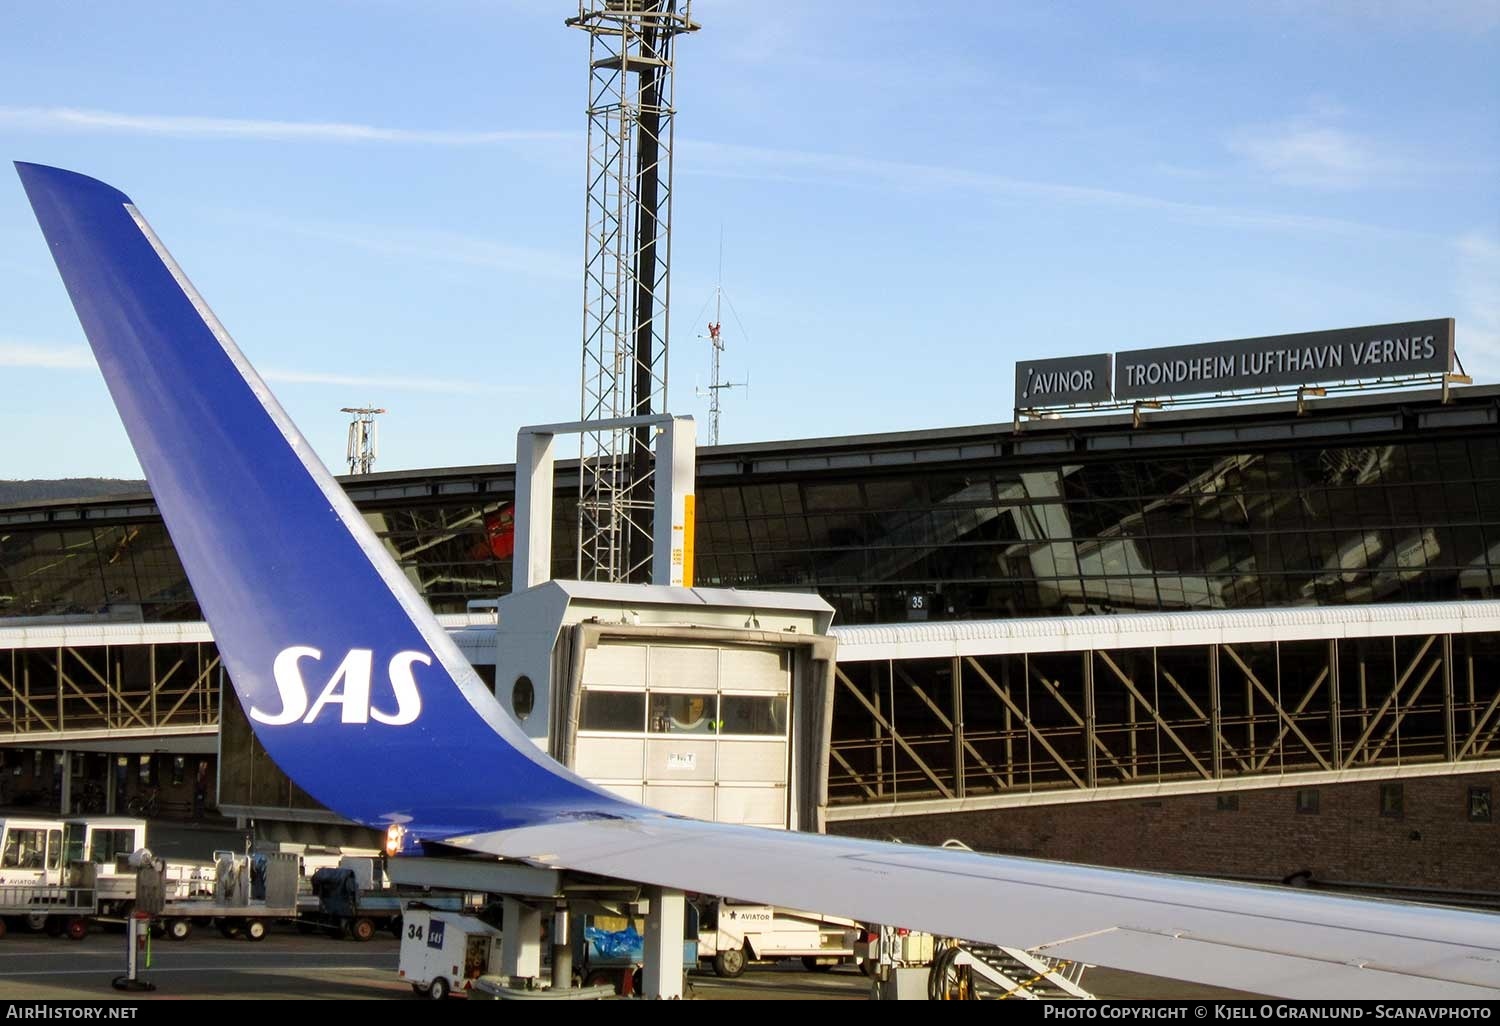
(627, 253)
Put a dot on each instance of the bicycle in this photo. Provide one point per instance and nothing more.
(146, 804)
(91, 799)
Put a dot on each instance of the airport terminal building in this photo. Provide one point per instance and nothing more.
(1362, 753)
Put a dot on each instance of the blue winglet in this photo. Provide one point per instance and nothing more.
(351, 685)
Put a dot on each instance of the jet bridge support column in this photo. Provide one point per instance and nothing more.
(562, 947)
(521, 941)
(662, 977)
(65, 767)
(672, 520)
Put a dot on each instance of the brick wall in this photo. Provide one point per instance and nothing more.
(1431, 844)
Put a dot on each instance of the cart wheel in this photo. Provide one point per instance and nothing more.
(362, 929)
(730, 963)
(78, 929)
(179, 929)
(36, 922)
(255, 929)
(228, 928)
(439, 989)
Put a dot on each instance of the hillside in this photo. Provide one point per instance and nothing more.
(67, 488)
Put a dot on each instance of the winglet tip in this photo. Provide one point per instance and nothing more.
(44, 177)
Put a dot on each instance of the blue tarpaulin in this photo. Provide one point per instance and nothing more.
(625, 945)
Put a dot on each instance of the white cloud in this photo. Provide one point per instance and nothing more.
(438, 247)
(14, 353)
(73, 119)
(1323, 156)
(74, 357)
(1300, 153)
(733, 160)
(448, 386)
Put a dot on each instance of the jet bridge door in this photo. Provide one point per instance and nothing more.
(696, 729)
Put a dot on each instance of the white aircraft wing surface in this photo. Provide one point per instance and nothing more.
(1268, 940)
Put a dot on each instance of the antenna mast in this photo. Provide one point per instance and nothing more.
(627, 253)
(716, 339)
(364, 438)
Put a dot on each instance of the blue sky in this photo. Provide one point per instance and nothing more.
(383, 200)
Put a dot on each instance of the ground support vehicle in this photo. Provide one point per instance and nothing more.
(345, 909)
(909, 964)
(31, 851)
(443, 952)
(735, 933)
(249, 893)
(57, 910)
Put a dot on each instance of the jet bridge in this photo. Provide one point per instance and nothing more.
(711, 703)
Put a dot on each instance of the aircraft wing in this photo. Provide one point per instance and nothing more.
(361, 698)
(1264, 940)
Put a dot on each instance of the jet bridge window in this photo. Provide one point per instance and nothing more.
(762, 715)
(694, 712)
(612, 710)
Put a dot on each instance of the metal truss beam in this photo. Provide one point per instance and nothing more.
(1393, 697)
(1125, 772)
(71, 691)
(948, 723)
(895, 734)
(1204, 720)
(1166, 728)
(1004, 695)
(1291, 724)
(1286, 728)
(1299, 701)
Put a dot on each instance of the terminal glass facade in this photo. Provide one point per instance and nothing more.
(1381, 516)
(1332, 525)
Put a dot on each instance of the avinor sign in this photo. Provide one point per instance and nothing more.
(1312, 357)
(1066, 379)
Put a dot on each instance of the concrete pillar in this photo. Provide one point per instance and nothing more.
(672, 526)
(532, 560)
(67, 784)
(562, 948)
(662, 977)
(521, 943)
